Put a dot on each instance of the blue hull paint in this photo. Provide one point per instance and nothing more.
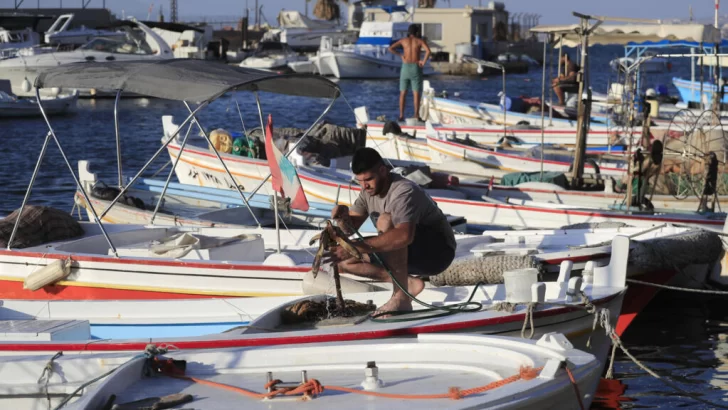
(167, 330)
(690, 91)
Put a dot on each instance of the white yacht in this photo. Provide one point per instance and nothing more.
(271, 56)
(138, 43)
(59, 33)
(304, 34)
(368, 57)
(15, 39)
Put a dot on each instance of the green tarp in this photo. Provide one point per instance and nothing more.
(516, 178)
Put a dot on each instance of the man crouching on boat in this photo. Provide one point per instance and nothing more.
(415, 238)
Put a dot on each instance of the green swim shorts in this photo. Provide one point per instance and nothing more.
(410, 77)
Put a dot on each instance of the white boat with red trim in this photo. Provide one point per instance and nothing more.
(489, 371)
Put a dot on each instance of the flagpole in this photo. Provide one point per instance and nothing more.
(275, 193)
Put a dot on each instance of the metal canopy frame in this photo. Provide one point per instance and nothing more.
(191, 118)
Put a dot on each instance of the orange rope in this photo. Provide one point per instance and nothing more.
(314, 388)
(576, 386)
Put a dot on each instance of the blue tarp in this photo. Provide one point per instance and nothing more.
(390, 9)
(376, 41)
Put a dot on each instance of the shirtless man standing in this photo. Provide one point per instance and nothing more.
(411, 74)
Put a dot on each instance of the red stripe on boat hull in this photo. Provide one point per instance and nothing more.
(14, 290)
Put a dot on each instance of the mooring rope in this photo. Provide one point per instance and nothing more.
(657, 285)
(604, 321)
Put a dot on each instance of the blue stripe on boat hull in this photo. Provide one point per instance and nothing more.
(167, 330)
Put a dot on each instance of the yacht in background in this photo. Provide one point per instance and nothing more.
(60, 34)
(369, 57)
(304, 34)
(136, 42)
(272, 56)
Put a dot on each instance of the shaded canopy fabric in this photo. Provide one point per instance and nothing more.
(181, 79)
(623, 34)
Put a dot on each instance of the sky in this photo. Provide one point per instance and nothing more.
(552, 11)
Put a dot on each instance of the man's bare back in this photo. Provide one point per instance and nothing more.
(411, 50)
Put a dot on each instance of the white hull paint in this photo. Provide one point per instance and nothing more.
(200, 167)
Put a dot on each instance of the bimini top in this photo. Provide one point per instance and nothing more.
(182, 79)
(623, 34)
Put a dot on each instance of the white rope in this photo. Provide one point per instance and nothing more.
(528, 319)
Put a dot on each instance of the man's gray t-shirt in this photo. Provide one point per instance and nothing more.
(406, 202)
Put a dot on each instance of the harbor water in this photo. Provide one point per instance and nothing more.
(681, 336)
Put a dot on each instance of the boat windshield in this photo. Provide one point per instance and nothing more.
(116, 46)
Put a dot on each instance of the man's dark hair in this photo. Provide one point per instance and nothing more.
(365, 159)
(414, 30)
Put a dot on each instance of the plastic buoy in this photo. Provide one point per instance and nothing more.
(26, 85)
(51, 273)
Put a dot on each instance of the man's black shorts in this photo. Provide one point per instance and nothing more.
(429, 254)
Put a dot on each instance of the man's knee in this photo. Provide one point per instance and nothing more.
(384, 223)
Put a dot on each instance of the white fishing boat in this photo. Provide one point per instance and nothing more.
(448, 152)
(557, 305)
(650, 64)
(532, 375)
(12, 106)
(138, 43)
(196, 206)
(369, 57)
(485, 124)
(271, 56)
(489, 372)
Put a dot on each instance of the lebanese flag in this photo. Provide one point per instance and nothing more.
(283, 174)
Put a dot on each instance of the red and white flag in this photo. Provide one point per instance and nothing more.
(283, 174)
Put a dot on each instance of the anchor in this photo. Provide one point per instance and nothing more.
(330, 237)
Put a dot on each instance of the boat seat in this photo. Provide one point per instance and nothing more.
(193, 246)
(38, 330)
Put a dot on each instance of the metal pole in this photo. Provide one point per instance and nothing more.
(118, 139)
(702, 53)
(543, 102)
(169, 177)
(30, 186)
(156, 154)
(217, 154)
(275, 194)
(582, 122)
(73, 174)
(505, 121)
(241, 118)
(692, 72)
(305, 134)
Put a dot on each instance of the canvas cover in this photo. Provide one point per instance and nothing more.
(182, 79)
(294, 19)
(623, 34)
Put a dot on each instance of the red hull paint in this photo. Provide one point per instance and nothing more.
(638, 296)
(14, 290)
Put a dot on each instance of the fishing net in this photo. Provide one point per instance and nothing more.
(310, 311)
(486, 269)
(38, 225)
(675, 251)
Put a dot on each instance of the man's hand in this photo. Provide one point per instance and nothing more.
(336, 254)
(421, 63)
(339, 211)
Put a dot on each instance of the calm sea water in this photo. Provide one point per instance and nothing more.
(680, 336)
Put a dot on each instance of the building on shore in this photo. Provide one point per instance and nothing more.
(483, 32)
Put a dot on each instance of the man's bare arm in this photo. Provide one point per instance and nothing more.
(395, 45)
(427, 53)
(398, 238)
(343, 213)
